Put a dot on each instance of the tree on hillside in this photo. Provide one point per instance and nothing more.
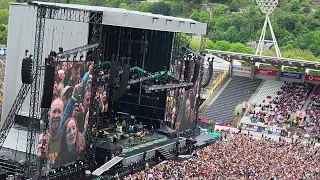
(4, 14)
(4, 4)
(3, 33)
(97, 2)
(287, 21)
(160, 8)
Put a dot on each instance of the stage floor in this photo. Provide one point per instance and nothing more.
(136, 142)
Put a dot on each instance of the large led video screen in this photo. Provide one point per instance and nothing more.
(183, 107)
(68, 115)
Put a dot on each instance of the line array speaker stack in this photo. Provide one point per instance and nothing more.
(209, 77)
(114, 74)
(26, 71)
(187, 70)
(195, 75)
(123, 83)
(48, 86)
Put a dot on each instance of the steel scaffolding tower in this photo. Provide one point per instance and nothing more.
(67, 14)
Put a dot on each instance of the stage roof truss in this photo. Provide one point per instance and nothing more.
(67, 13)
(275, 61)
(120, 17)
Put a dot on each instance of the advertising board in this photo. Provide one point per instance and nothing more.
(242, 69)
(266, 72)
(313, 78)
(291, 75)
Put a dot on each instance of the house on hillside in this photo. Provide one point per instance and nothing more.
(267, 45)
(206, 7)
(315, 2)
(242, 9)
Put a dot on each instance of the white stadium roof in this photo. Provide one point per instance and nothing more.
(134, 19)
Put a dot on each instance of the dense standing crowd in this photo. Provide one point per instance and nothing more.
(243, 157)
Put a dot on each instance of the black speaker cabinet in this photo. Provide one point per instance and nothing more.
(48, 86)
(26, 71)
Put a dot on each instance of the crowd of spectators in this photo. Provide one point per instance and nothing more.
(313, 111)
(243, 157)
(277, 110)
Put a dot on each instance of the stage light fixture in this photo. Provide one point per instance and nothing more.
(81, 56)
(60, 49)
(53, 54)
(80, 163)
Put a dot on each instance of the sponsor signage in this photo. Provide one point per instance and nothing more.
(243, 69)
(291, 75)
(266, 72)
(3, 51)
(313, 78)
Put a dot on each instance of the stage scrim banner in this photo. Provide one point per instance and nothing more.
(291, 75)
(313, 78)
(266, 72)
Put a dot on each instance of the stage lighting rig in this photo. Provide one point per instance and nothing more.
(166, 86)
(147, 77)
(64, 54)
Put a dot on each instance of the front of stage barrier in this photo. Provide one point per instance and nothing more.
(107, 166)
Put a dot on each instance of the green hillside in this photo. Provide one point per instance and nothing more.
(231, 23)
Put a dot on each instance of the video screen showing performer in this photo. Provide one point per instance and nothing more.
(102, 96)
(187, 98)
(68, 115)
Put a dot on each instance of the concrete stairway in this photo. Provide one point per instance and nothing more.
(205, 91)
(166, 155)
(308, 101)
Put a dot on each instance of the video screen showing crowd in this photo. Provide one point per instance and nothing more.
(181, 102)
(68, 115)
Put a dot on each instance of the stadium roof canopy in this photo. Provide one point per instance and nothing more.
(275, 61)
(134, 19)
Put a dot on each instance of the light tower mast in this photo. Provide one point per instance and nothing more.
(267, 7)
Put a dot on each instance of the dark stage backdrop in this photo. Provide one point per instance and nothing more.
(128, 42)
(68, 115)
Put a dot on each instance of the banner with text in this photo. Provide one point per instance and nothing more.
(242, 69)
(313, 78)
(291, 75)
(266, 72)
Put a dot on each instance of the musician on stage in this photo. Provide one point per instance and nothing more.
(115, 138)
(142, 135)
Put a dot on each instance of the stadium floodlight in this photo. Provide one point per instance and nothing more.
(267, 7)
